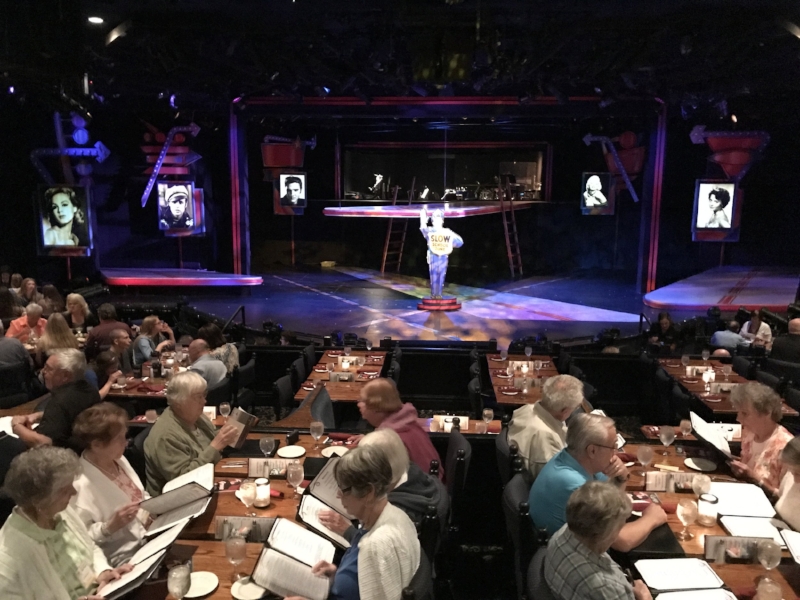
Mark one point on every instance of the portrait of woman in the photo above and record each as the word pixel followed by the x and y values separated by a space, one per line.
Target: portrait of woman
pixel 175 206
pixel 593 196
pixel 64 221
pixel 714 205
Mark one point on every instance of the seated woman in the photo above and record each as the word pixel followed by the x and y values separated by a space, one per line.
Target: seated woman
pixel 28 292
pixel 78 315
pixel 16 283
pixel 183 438
pixel 46 552
pixel 384 553
pixel 758 409
pixel 410 490
pixel 757 331
pixel 788 505
pixel 9 307
pixel 105 371
pixel 109 490
pixel 664 332
pixel 381 407
pixel 56 336
pixel 220 349
pixel 145 344
pixel 51 301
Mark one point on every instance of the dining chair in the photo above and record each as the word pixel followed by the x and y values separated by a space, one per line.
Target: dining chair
pixel 537 587
pixel 284 395
pixel 297 372
pixel 519 527
pixel 421 585
pixel 310 356
pixel 218 393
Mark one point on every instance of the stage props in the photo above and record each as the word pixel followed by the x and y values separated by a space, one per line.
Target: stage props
pixel 65 223
pixel 597 197
pixel 717 211
pixel 180 208
pixel 441 242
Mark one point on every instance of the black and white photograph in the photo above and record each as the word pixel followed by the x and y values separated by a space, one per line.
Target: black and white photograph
pixel 293 189
pixel 597 194
pixel 64 217
pixel 714 204
pixel 175 205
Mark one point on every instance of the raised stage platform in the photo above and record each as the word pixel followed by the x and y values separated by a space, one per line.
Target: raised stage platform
pixel 729 288
pixel 452 210
pixel 176 278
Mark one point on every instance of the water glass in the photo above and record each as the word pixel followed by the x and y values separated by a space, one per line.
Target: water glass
pixel 247 494
pixel 503 354
pixel 266 445
pixel 769 554
pixel 645 456
pixel 225 409
pixel 528 351
pixel 705 354
pixel 488 415
pixel 686 427
pixel 701 484
pixel 369 345
pixel 122 381
pixel 294 476
pixel 317 428
pixel 687 514
pixel 685 360
pixel 481 427
pixel 330 367
pixel 179 580
pixel 235 552
pixel 347 350
pixel 727 370
pixel 667 435
pixel 537 366
pixel 150 415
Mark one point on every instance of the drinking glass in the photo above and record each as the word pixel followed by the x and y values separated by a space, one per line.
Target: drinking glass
pixel 151 415
pixel 504 354
pixel 330 367
pixel 687 514
pixel 705 354
pixel 225 409
pixel 524 369
pixel 317 428
pixel 347 350
pixel 769 555
pixel 179 580
pixel 235 552
pixel 369 345
pixel 686 427
pixel 645 456
pixel 685 360
pixel 537 366
pixel 247 494
pixel 768 589
pixel 266 445
pixel 122 381
pixel 528 351
pixel 667 435
pixel 294 476
pixel 727 370
pixel 488 415
pixel 701 484
pixel 510 371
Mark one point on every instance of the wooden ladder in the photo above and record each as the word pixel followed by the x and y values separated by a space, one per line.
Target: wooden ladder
pixel 395 240
pixel 510 230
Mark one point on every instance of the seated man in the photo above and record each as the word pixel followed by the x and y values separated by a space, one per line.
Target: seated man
pixel 31 322
pixel 121 347
pixel 787 347
pixel 589 455
pixel 209 367
pixel 99 337
pixel 539 429
pixel 13 353
pixel 70 395
pixel 577 564
pixel 729 338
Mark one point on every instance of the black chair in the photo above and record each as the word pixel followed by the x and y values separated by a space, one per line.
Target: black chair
pixel 475 400
pixel 310 357
pixel 563 362
pixel 10 447
pixel 297 372
pixel 537 586
pixel 575 371
pixel 284 395
pixel 475 370
pixel 456 467
pixel 768 379
pixel 15 385
pixel 781 368
pixel 394 372
pixel 421 585
pixel 680 403
pixel 792 397
pixel 245 378
pixel 135 452
pixel 430 530
pixel 397 353
pixel 219 392
pixel 519 527
pixel 321 409
pixel 744 367
pixel 663 398
pixel 509 462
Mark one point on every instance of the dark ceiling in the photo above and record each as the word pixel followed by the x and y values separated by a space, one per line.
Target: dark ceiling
pixel 696 54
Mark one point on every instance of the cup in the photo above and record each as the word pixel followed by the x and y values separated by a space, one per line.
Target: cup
pixel 481 427
pixel 434 426
pixel 121 381
pixel 151 415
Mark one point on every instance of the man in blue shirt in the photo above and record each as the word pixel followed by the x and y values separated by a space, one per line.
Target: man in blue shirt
pixel 729 338
pixel 590 455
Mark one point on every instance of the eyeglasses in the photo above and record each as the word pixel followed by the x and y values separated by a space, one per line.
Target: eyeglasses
pixel 602 446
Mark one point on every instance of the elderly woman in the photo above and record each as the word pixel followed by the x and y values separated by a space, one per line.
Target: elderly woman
pixel 788 505
pixel 410 490
pixel 78 315
pixel 220 349
pixel 384 553
pixel 758 409
pixel 45 551
pixel 756 330
pixel 145 344
pixel 577 564
pixel 109 490
pixel 183 438
pixel 381 407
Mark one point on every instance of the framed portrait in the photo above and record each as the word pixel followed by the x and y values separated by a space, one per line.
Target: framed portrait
pixel 717 210
pixel 65 223
pixel 597 193
pixel 180 208
pixel 292 189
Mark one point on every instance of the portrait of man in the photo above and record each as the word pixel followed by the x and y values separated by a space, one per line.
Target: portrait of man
pixel 293 190
pixel 714 205
pixel 176 206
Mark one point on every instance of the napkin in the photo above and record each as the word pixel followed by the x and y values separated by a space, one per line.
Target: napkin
pixel 151 387
pixel 341 437
pixel 494 427
pixel 626 457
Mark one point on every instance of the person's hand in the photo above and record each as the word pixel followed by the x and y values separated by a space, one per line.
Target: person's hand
pixel 115 375
pixel 656 514
pixel 107 576
pixel 323 569
pixel 741 470
pixel 334 521
pixel 653 340
pixel 18 420
pixel 122 517
pixel 354 440
pixel 641 591
pixel 616 469
pixel 225 436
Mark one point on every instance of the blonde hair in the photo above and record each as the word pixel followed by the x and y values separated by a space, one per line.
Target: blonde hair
pixel 381 395
pixel 148 326
pixel 78 299
pixel 57 335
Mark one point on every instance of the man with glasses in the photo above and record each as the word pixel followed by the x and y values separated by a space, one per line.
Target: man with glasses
pixel 590 455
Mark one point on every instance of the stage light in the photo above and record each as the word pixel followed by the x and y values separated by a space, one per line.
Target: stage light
pixel 11 89
pixel 734 119
pixel 96 20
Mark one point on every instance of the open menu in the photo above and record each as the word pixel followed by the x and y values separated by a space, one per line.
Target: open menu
pixel 244 422
pixel 741 499
pixel 674 574
pixel 159 543
pixel 792 540
pixel 133 578
pixel 322 495
pixel 717 594
pixel 185 497
pixel 711 434
pixel 757 527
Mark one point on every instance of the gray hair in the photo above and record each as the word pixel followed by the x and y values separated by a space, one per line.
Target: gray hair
pixel 71 360
pixel 184 385
pixel 35 476
pixel 362 470
pixel 387 440
pixel 585 429
pixel 791 452
pixel 596 510
pixel 763 399
pixel 560 392
pixel 34 309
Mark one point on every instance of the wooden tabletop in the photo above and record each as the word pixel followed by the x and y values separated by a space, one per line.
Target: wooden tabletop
pixel 22 409
pixel 743 578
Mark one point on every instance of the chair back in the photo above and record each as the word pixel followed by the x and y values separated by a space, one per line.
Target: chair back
pixel 310 357
pixel 247 374
pixel 421 585
pixel 663 398
pixel 219 392
pixel 14 385
pixel 284 394
pixel 768 379
pixel 518 526
pixel 397 353
pixel 322 409
pixel 576 371
pixel 502 452
pixel 297 372
pixel 430 530
pixel 743 367
pixel 456 463
pixel 792 397
pixel 135 452
pixel 782 368
pixel 680 403
pixel 475 370
pixel 537 585
pixel 394 372
pixel 563 362
pixel 475 399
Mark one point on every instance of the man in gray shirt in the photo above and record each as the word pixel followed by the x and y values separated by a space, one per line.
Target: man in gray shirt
pixel 208 367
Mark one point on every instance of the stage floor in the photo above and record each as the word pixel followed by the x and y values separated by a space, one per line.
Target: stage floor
pixel 729 288
pixel 176 278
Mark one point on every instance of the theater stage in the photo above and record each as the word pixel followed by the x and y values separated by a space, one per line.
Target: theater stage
pixel 729 288
pixel 176 278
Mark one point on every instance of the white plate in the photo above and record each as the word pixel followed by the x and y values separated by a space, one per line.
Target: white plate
pixel 203 583
pixel 308 388
pixel 368 373
pixel 182 369
pixel 509 393
pixel 498 359
pixel 291 451
pixel 711 399
pixel 244 589
pixel 700 464
pixel 337 450
pixel 504 376
pixel 116 386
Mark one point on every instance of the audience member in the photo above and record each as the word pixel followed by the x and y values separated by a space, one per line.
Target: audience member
pixel 589 455
pixel 721 352
pixel 121 346
pixel 70 395
pixel 146 342
pixel 787 347
pixel 9 307
pixel 788 505
pixel 99 337
pixel 610 350
pixel 210 368
pixel 13 353
pixel 539 429
pixel 31 323
pixel 757 331
pixel 78 316
pixel 109 490
pixel 729 338
pixel 51 301
pixel 224 351
pixel 45 551
pixel 663 332
pixel 106 371
pixel 759 410
pixel 57 336
pixel 16 283
pixel 28 293
pixel 577 564
pixel 183 438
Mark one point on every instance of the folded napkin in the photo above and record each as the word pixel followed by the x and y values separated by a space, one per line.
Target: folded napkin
pixel 341 437
pixel 494 427
pixel 151 387
pixel 496 372
pixel 626 457
pixel 139 419
pixel 369 371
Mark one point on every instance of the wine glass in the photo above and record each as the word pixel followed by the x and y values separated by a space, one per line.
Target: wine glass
pixel 488 415
pixel 769 555
pixel 524 369
pixel 266 445
pixel 235 552
pixel 727 370
pixel 317 428
pixel 503 354
pixel 687 514
pixel 225 409
pixel 645 456
pixel 701 484
pixel 294 476
pixel 330 367
pixel 667 435
pixel 179 580
pixel 369 345
pixel 705 354
pixel 686 427
pixel 347 350
pixel 247 494
pixel 685 360
pixel 537 366
pixel 528 351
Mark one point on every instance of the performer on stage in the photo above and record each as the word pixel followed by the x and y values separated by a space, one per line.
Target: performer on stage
pixel 441 242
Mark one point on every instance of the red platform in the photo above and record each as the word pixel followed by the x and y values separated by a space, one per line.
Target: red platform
pixel 176 278
pixel 439 304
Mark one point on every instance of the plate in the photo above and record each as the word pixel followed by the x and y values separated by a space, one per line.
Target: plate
pixel 672 365
pixel 244 589
pixel 509 393
pixel 700 464
pixel 308 388
pixel 335 353
pixel 368 373
pixel 711 398
pixel 689 380
pixel 503 376
pixel 291 451
pixel 203 583
pixel 376 357
pixel 337 450
pixel 116 386
pixel 498 359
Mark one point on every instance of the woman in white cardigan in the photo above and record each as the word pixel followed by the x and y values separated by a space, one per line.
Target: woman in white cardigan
pixel 45 551
pixel 109 490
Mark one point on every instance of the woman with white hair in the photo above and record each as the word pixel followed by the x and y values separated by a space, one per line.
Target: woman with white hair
pixel 385 553
pixel 759 410
pixel 183 438
pixel 46 552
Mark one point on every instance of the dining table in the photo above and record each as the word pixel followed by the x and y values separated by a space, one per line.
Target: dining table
pixel 365 365
pixel 514 378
